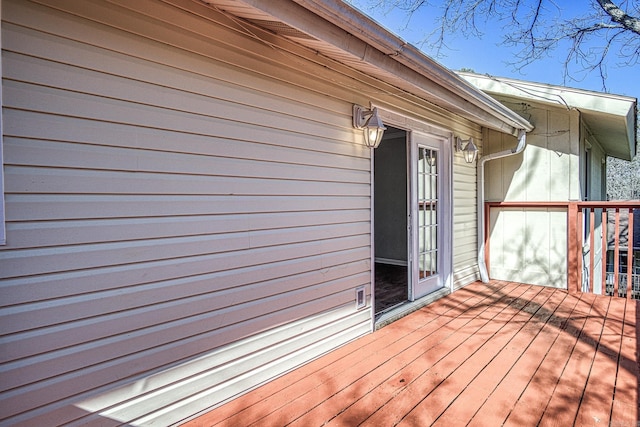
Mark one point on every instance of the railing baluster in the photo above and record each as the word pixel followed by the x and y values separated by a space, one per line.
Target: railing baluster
pixel 578 247
pixel 630 254
pixel 573 279
pixel 592 245
pixel 605 248
pixel 616 252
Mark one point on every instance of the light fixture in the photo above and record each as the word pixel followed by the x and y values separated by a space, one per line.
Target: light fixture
pixel 470 151
pixel 371 123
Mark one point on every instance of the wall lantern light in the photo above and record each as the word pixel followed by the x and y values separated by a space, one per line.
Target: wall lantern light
pixel 371 123
pixel 470 151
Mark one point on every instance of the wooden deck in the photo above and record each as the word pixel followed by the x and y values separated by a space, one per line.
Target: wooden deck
pixel 487 355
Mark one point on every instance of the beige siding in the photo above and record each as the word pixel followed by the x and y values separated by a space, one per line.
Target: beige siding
pixel 3 236
pixel 188 209
pixel 550 159
pixel 180 228
pixel 465 214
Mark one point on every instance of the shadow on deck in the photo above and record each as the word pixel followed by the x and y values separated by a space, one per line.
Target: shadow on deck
pixel 486 355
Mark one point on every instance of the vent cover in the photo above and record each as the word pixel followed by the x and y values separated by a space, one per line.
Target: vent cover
pixel 361 298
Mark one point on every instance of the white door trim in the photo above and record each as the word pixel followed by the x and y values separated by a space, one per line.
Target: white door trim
pixel 446 135
pixel 421 286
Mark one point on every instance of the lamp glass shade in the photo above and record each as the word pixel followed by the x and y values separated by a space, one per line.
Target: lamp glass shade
pixel 373 130
pixel 470 152
pixel 373 136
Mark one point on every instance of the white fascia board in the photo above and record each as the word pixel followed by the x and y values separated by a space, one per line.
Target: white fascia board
pixel 564 96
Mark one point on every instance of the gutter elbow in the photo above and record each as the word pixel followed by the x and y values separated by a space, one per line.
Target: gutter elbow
pixel 522 141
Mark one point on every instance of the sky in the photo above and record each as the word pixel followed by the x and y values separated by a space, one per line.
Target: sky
pixel 488 56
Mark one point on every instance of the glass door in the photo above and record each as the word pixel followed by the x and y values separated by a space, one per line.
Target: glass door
pixel 426 230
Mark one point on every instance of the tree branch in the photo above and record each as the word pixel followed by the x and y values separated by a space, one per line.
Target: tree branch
pixel 602 35
pixel 619 16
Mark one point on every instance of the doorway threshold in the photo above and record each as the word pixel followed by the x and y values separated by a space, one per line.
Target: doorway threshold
pixel 391 315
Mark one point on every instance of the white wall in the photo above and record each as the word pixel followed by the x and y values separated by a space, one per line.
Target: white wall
pixel 529 245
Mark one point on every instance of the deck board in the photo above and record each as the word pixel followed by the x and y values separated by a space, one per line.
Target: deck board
pixel 535 340
pixel 489 354
pixel 597 400
pixel 566 396
pixel 525 405
pixel 471 358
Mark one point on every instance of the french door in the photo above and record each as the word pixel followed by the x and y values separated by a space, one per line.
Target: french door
pixel 428 225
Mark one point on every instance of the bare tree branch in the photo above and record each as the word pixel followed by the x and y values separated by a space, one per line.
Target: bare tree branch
pixel 620 17
pixel 604 34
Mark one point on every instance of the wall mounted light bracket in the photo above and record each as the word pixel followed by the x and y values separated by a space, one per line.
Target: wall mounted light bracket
pixel 369 121
pixel 470 151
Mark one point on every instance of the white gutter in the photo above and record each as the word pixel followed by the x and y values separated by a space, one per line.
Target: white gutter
pixel 522 142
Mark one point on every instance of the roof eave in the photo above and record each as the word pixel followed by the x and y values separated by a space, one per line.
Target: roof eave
pixel 599 110
pixel 360 37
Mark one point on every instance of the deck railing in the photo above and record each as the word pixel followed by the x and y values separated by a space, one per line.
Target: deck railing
pixel 613 268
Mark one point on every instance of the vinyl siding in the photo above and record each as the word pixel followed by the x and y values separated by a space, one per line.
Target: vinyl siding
pixel 187 207
pixel 179 228
pixel 3 234
pixel 465 218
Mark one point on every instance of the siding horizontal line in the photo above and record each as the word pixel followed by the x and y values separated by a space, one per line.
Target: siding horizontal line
pixel 143 321
pixel 32 207
pixel 46 100
pixel 62 335
pixel 75 156
pixel 86 281
pixel 266 119
pixel 230 102
pixel 254 239
pixel 139 346
pixel 30 262
pixel 43 234
pixel 43 180
pixel 86 133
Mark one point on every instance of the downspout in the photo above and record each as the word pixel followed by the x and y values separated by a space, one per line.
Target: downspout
pixel 522 142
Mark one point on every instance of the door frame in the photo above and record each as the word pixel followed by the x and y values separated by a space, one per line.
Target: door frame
pixel 411 125
pixel 416 140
